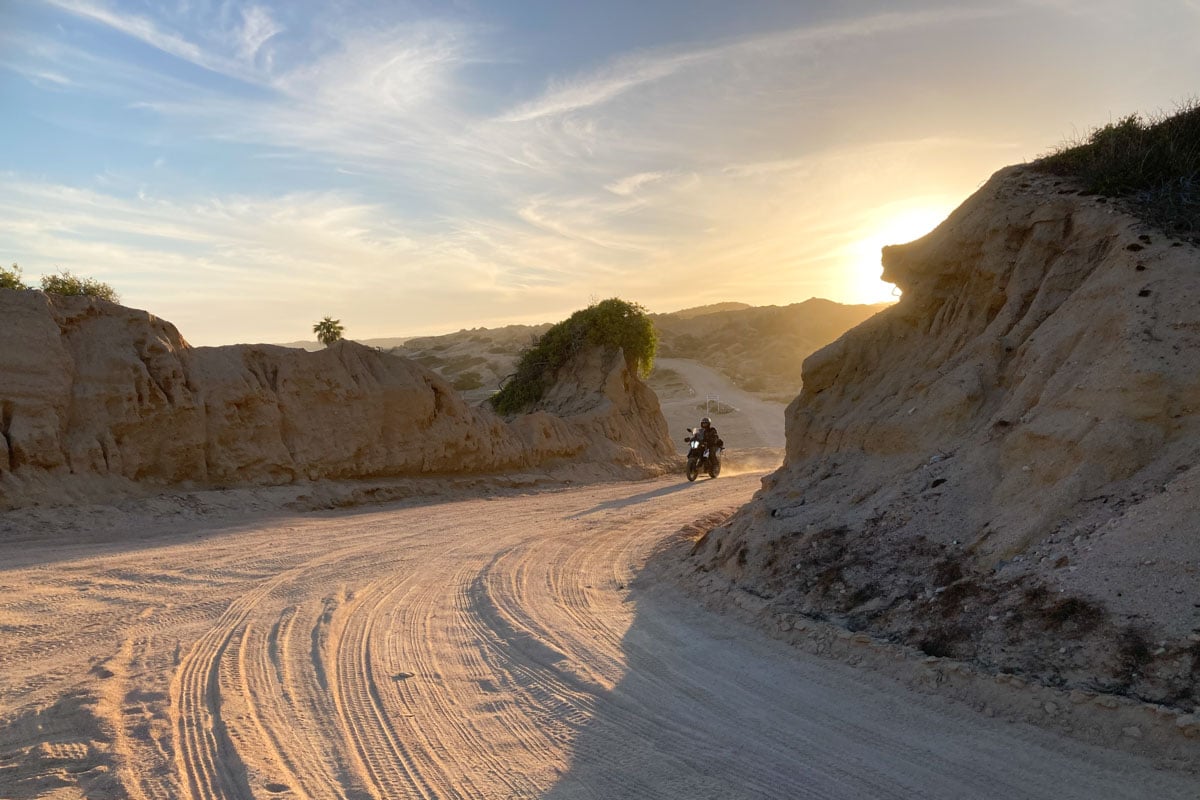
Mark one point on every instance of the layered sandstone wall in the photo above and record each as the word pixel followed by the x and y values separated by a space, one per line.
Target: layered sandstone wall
pixel 1002 467
pixel 95 395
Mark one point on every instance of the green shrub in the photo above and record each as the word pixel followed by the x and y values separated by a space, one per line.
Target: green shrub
pixel 11 278
pixel 468 381
pixel 1152 163
pixel 609 323
pixel 76 286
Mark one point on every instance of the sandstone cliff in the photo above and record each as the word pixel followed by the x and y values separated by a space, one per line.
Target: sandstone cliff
pixel 1003 467
pixel 96 397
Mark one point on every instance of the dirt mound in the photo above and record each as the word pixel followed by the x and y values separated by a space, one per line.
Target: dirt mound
pixel 98 398
pixel 1001 468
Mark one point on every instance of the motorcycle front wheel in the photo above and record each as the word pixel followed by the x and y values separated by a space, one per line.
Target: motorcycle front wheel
pixel 692 471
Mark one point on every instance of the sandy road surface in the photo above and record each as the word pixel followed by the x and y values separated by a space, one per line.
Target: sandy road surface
pixel 486 647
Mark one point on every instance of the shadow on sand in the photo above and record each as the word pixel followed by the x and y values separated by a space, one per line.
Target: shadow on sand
pixel 711 708
pixel 633 500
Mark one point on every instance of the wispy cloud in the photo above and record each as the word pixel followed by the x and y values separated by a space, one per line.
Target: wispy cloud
pixel 380 73
pixel 151 33
pixel 632 72
pixel 43 78
pixel 631 183
pixel 595 89
pixel 332 227
pixel 379 101
pixel 257 28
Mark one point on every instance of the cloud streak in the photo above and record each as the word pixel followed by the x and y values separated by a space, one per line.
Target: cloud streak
pixel 258 27
pixel 150 33
pixel 633 72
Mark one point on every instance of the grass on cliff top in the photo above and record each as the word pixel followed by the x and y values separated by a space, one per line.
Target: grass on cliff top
pixel 613 322
pixel 1152 163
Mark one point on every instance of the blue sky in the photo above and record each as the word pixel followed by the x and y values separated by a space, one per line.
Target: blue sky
pixel 243 169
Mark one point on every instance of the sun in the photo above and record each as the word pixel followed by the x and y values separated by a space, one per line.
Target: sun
pixel 862 283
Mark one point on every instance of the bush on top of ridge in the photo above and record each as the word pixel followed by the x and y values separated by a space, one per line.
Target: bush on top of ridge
pixel 613 323
pixel 1153 163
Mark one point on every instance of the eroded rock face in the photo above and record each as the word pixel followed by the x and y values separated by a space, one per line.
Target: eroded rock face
pixel 985 469
pixel 618 415
pixel 96 397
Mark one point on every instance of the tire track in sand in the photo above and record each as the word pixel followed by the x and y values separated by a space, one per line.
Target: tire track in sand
pixel 471 729
pixel 205 756
pixel 380 753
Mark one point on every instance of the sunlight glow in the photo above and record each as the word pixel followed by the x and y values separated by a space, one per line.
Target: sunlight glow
pixel 862 258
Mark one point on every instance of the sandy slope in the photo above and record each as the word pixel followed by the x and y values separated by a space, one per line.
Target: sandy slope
pixel 490 646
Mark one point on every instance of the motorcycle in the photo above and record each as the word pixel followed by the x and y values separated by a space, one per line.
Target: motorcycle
pixel 700 457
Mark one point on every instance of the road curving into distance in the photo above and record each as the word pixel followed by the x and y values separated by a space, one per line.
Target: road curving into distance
pixel 493 646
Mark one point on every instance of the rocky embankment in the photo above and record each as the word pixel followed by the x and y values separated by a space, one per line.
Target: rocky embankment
pixel 96 398
pixel 1003 468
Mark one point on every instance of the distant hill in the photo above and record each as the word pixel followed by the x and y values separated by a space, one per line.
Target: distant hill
pixel 714 308
pixel 760 348
pixel 475 361
pixel 386 343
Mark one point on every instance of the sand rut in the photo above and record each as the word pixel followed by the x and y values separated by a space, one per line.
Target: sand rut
pixel 206 758
pixel 381 754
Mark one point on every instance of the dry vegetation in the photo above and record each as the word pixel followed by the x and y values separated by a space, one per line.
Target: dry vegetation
pixel 1152 164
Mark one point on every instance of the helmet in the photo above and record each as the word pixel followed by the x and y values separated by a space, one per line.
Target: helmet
pixel 704 423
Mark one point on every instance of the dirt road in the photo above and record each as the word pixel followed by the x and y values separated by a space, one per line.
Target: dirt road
pixel 484 647
pixel 754 422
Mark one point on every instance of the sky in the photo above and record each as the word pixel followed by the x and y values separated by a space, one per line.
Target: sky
pixel 244 169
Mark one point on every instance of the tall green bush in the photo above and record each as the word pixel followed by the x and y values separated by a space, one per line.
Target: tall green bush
pixel 609 323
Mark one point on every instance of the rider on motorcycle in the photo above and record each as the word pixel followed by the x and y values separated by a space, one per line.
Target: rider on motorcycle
pixel 704 453
pixel 707 435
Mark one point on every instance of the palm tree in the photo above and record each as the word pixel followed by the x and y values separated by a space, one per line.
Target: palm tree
pixel 328 331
